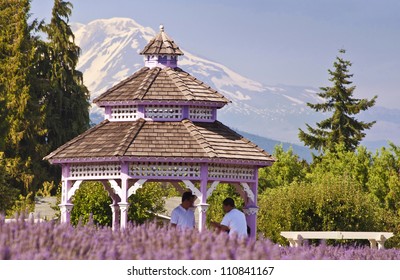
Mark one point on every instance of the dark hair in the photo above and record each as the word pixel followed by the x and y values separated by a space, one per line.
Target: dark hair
pixel 187 196
pixel 229 202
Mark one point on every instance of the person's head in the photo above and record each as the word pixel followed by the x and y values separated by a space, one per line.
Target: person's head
pixel 187 200
pixel 228 204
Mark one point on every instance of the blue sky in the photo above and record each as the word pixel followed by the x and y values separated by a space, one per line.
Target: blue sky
pixel 290 42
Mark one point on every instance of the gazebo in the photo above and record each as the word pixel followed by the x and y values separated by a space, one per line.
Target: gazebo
pixel 160 125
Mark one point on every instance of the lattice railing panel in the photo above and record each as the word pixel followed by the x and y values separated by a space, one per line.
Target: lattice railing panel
pixel 200 113
pixel 226 172
pixel 95 170
pixel 124 113
pixel 164 169
pixel 163 112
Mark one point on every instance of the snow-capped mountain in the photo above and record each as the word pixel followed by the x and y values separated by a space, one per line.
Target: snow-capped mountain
pixel 110 53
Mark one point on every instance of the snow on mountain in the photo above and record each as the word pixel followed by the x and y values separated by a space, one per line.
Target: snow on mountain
pixel 110 53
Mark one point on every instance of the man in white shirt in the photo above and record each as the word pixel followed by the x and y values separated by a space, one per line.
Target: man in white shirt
pixel 234 220
pixel 183 216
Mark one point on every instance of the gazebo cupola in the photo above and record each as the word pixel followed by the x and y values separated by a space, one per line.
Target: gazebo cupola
pixel 161 91
pixel 161 125
pixel 161 51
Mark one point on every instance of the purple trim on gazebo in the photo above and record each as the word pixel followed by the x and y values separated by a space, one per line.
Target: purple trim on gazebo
pixel 107 112
pixel 214 114
pixel 161 113
pixel 185 112
pixel 161 102
pixel 161 179
pixel 141 109
pixel 148 159
pixel 161 61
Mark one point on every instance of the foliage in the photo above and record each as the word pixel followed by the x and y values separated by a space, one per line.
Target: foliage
pixel 148 200
pixel 330 204
pixel 91 200
pixel 8 195
pixel 215 211
pixel 67 99
pixel 374 179
pixel 55 207
pixel 44 241
pixel 20 113
pixel 46 189
pixel 23 205
pixel 342 163
pixel 43 102
pixel 384 179
pixel 287 169
pixel 341 126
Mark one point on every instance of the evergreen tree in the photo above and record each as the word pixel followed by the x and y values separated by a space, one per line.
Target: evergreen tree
pixel 43 102
pixel 67 100
pixel 8 195
pixel 341 127
pixel 20 113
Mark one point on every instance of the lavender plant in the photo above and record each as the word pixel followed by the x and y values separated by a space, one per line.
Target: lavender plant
pixel 23 240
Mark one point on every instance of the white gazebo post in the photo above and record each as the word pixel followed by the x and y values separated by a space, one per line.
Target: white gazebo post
pixel 113 191
pixel 124 205
pixel 65 205
pixel 115 215
pixel 251 208
pixel 203 206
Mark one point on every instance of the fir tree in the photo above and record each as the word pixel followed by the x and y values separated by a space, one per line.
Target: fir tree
pixel 341 127
pixel 20 113
pixel 67 100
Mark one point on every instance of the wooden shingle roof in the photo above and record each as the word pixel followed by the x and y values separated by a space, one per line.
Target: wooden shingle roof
pixel 161 45
pixel 148 139
pixel 156 84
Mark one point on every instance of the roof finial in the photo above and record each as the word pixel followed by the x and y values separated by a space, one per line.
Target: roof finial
pixel 161 28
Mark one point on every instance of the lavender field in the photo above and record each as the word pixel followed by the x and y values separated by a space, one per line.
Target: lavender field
pixel 51 241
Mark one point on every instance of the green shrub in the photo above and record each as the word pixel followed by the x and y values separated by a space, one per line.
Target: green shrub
pixel 331 204
pixel 91 200
pixel 148 200
pixel 287 169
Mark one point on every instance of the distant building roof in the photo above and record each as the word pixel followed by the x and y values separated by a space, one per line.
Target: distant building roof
pixel 165 84
pixel 161 45
pixel 148 139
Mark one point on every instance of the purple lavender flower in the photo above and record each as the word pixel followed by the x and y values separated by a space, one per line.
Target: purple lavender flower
pixel 47 240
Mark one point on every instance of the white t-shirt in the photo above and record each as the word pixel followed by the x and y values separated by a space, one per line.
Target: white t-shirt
pixel 183 218
pixel 236 222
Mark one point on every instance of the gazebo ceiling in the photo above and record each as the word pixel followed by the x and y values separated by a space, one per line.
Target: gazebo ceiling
pixel 150 139
pixel 156 84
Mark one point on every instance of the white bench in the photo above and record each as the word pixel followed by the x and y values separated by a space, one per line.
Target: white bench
pixel 30 218
pixel 296 238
